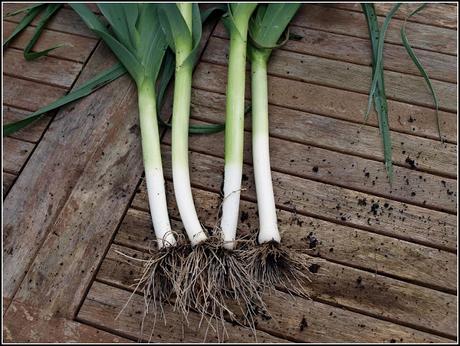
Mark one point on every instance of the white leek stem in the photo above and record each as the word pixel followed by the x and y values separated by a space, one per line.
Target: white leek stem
pixel 152 164
pixel 268 223
pixel 234 133
pixel 180 124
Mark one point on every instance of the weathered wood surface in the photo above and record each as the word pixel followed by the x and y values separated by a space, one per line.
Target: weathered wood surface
pixel 16 154
pixel 105 302
pixel 357 51
pixel 29 95
pixel 352 23
pixel 46 70
pixel 286 322
pixel 388 270
pixel 341 169
pixel 368 251
pixel 8 180
pixel 24 324
pixel 337 103
pixel 332 203
pixel 33 132
pixel 76 140
pixel 344 75
pixel 436 14
pixel 77 48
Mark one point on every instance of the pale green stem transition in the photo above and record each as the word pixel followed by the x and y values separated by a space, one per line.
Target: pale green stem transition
pixel 152 163
pixel 180 125
pixel 234 129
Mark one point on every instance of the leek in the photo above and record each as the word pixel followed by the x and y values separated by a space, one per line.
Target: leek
pixel 139 44
pixel 269 262
pixel 182 25
pixel 237 22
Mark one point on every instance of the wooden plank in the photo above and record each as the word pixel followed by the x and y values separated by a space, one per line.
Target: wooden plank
pixel 354 24
pixel 24 324
pixel 336 103
pixel 345 76
pixel 344 170
pixel 104 302
pixel 76 139
pixel 29 95
pixel 332 203
pixel 116 271
pixel 358 51
pixel 15 154
pixel 109 178
pixel 8 180
pixel 33 132
pixel 65 20
pixel 47 70
pixel 350 246
pixel 437 14
pixel 78 48
pixel 364 141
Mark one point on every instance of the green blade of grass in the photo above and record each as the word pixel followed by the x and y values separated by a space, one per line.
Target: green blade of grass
pixel 87 88
pixel 32 12
pixel 50 10
pixel 379 95
pixel 28 8
pixel 379 54
pixel 417 63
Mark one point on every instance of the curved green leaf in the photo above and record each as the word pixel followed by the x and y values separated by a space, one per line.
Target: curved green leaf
pixel 50 10
pixel 85 89
pixel 32 12
pixel 419 65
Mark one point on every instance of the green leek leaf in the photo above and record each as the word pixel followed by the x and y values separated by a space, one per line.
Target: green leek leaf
pixel 417 63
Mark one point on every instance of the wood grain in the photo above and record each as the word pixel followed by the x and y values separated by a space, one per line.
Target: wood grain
pixel 358 51
pixel 340 169
pixel 351 23
pixel 8 180
pixel 24 324
pixel 29 95
pixel 76 140
pixel 46 70
pixel 104 302
pixel 437 14
pixel 122 272
pixel 33 132
pixel 336 103
pixel 16 152
pixel 350 246
pixel 65 20
pixel 332 203
pixel 344 75
pixel 429 155
pixel 77 48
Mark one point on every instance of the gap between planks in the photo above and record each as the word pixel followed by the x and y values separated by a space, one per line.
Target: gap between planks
pixel 385 222
pixel 348 76
pixel 438 158
pixel 118 271
pixel 336 243
pixel 338 21
pixel 405 180
pixel 356 51
pixel 424 17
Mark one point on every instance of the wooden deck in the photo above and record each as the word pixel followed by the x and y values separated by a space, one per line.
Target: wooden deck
pixel 74 192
